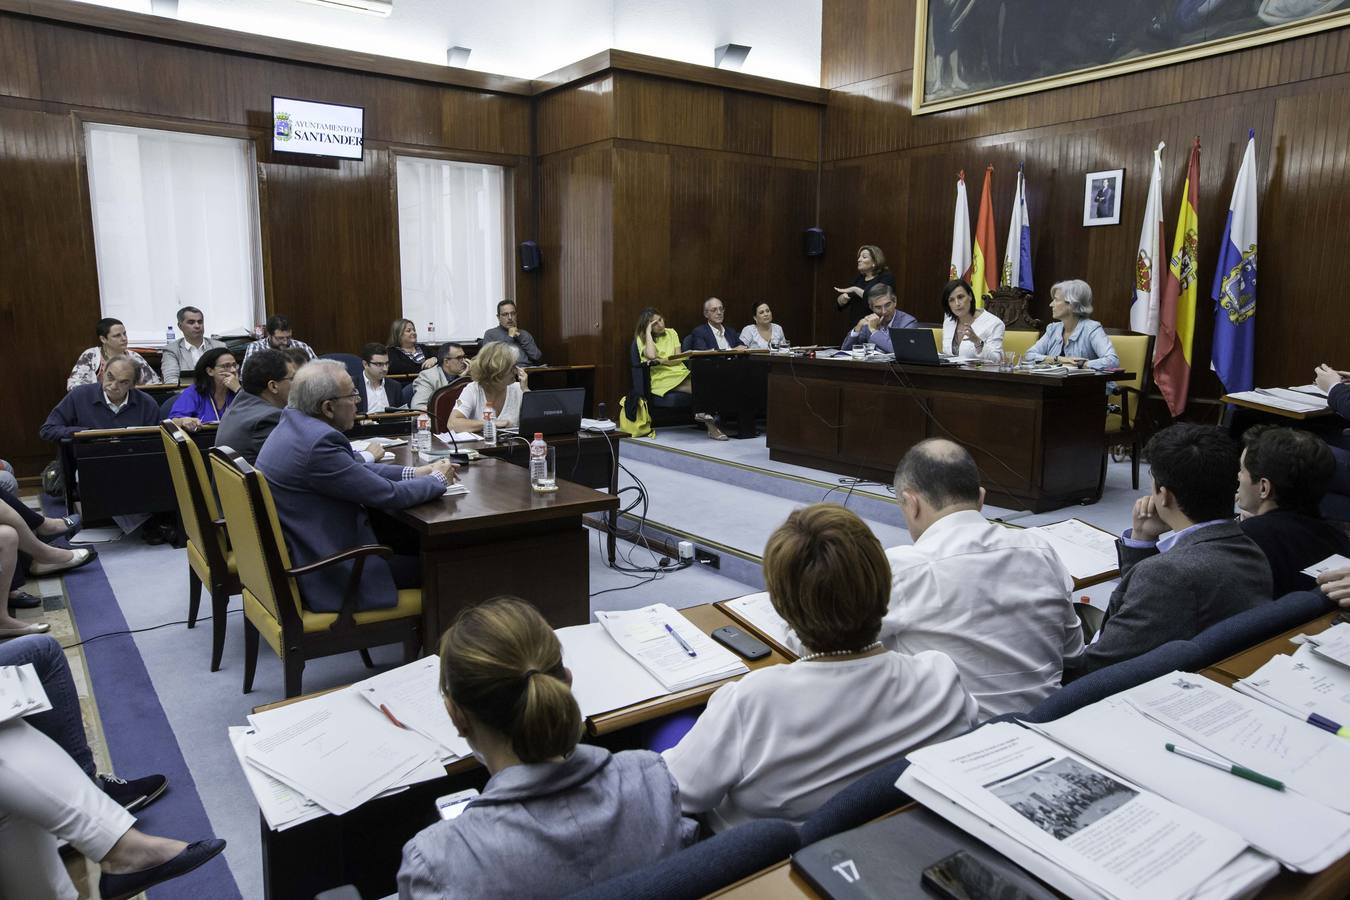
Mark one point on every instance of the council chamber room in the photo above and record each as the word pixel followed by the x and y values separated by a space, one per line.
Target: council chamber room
pixel 630 449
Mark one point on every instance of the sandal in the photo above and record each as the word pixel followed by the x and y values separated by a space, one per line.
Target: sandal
pixel 73 525
pixel 35 628
pixel 82 557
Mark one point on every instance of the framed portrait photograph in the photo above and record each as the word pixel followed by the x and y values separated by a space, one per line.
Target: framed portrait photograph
pixel 1101 197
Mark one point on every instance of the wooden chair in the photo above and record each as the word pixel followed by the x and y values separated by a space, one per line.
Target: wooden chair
pixel 272 606
pixel 1132 425
pixel 210 560
pixel 1011 305
pixel 442 403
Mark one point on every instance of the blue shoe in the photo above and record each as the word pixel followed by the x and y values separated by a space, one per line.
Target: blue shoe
pixel 123 887
pixel 73 525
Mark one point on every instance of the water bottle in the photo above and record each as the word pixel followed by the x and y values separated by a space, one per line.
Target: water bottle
pixel 489 425
pixel 422 436
pixel 539 479
pixel 169 336
pixel 431 333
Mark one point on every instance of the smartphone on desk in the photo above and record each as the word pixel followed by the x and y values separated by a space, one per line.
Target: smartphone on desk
pixel 963 877
pixel 451 805
pixel 746 645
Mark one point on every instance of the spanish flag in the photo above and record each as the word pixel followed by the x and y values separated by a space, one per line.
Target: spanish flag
pixel 984 261
pixel 1176 307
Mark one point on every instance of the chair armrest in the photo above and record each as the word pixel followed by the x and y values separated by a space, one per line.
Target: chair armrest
pixel 350 553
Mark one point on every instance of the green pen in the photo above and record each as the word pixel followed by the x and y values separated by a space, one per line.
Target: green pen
pixel 1239 771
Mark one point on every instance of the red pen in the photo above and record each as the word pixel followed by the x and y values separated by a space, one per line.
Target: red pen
pixel 392 718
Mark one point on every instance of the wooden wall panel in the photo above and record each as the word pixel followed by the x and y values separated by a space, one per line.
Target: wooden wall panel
pixel 575 116
pixel 889 177
pixel 861 39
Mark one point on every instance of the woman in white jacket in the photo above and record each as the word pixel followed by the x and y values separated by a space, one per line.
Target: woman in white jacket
pixel 968 332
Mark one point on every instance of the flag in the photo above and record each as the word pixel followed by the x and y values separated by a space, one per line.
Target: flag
pixel 1147 277
pixel 983 275
pixel 1017 252
pixel 1234 290
pixel 960 266
pixel 1176 307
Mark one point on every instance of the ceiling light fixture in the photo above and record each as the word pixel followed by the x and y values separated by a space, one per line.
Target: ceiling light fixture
pixel 369 7
pixel 457 56
pixel 730 56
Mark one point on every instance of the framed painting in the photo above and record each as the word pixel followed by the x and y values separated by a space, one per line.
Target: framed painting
pixel 1101 197
pixel 975 51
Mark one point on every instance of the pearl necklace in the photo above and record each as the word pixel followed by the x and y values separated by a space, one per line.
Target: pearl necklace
pixel 824 653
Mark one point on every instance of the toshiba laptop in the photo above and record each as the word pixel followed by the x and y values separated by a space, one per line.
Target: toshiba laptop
pixel 915 347
pixel 553 412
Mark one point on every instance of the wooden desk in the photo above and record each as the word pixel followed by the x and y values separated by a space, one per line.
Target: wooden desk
pixel 1036 438
pixel 727 384
pixel 364 847
pixel 502 538
pixel 1241 665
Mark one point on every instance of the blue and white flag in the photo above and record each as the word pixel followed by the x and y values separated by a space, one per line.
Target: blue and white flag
pixel 1234 290
pixel 1017 251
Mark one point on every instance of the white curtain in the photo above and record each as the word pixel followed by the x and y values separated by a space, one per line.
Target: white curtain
pixel 452 234
pixel 175 224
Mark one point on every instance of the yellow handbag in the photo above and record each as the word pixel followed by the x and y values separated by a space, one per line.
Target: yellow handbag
pixel 639 425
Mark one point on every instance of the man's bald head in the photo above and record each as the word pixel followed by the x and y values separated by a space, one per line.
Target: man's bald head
pixel 940 471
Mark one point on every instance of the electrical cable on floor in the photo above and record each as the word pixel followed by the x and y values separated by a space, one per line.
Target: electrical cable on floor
pixel 107 634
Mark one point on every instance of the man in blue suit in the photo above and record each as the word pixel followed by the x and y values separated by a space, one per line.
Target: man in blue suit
pixel 712 334
pixel 876 328
pixel 322 488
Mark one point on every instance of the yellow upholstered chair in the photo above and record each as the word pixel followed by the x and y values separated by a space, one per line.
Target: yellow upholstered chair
pixel 937 339
pixel 210 560
pixel 1019 341
pixel 1131 425
pixel 272 607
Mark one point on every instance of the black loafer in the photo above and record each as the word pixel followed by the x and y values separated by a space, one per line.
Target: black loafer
pixel 73 525
pixel 122 887
pixel 24 600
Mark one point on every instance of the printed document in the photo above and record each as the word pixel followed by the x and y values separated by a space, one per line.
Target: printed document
pixel 604 677
pixel 1333 644
pixel 1281 399
pixel 1301 685
pixel 1248 733
pixel 21 692
pixel 1330 564
pixel 757 611
pixel 646 635
pixel 412 695
pixel 1086 552
pixel 282 806
pixel 1110 834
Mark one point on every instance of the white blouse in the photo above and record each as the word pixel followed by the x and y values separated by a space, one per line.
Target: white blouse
pixel 751 337
pixel 988 328
pixel 472 400
pixel 783 740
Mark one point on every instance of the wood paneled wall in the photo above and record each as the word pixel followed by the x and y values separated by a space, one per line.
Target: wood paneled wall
pixel 329 230
pixel 889 177
pixel 658 192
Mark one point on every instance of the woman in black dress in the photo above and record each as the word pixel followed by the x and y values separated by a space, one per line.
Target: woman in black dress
pixel 871 268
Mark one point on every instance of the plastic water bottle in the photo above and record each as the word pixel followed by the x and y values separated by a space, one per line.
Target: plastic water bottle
pixel 169 336
pixel 539 479
pixel 489 425
pixel 422 437
pixel 431 333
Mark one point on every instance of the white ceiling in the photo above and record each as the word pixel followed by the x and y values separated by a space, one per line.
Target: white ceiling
pixel 528 38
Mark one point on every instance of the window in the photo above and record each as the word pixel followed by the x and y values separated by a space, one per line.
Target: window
pixel 452 235
pixel 175 224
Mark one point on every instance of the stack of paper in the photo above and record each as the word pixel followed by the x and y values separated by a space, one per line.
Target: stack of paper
pixel 1079 827
pixel 411 696
pixel 756 610
pixel 358 446
pixel 1330 564
pixel 1333 644
pixel 1279 398
pixel 597 424
pixel 21 692
pixel 462 437
pixel 1086 552
pixel 604 677
pixel 669 647
pixel 1301 685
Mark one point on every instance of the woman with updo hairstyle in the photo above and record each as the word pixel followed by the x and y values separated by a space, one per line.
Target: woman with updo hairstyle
pixel 872 268
pixel 784 739
pixel 967 331
pixel 498 382
pixel 556 816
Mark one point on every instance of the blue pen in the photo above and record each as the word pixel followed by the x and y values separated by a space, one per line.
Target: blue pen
pixel 687 649
pixel 1326 724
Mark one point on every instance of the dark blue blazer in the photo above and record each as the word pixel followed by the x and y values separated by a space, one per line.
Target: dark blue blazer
pixel 701 338
pixel 321 489
pixel 393 392
pixel 83 408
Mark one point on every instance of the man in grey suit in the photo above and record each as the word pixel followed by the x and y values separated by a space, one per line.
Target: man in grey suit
pixel 265 386
pixel 1185 564
pixel 507 332
pixel 322 488
pixel 181 356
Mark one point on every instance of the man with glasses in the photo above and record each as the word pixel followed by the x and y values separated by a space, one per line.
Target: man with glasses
pixel 264 387
pixel 713 333
pixel 181 355
pixel 453 364
pixel 508 333
pixel 278 337
pixel 377 392
pixel 322 488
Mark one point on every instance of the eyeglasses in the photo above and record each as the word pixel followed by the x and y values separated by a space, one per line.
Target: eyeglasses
pixel 375 365
pixel 354 396
pixel 228 366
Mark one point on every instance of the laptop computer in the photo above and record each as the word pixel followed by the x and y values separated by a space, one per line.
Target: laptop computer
pixel 552 412
pixel 915 347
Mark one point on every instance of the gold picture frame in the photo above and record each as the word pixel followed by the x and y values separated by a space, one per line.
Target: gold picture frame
pixel 1336 17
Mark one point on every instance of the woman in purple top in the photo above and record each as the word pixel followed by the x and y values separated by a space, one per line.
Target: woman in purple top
pixel 215 381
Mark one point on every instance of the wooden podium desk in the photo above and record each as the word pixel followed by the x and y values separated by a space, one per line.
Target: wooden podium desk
pixel 502 538
pixel 364 846
pixel 1036 438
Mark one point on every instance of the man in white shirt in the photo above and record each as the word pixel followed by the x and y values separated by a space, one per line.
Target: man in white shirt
pixel 712 334
pixel 377 392
pixel 997 600
pixel 181 356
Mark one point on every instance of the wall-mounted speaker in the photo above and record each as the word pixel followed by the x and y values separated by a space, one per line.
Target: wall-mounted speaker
pixel 813 241
pixel 529 256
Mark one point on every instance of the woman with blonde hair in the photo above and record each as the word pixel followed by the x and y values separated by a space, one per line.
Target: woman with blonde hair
pixel 872 269
pixel 405 357
pixel 497 382
pixel 784 739
pixel 556 816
